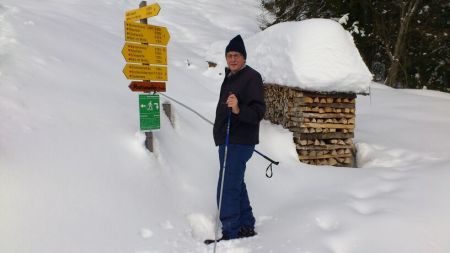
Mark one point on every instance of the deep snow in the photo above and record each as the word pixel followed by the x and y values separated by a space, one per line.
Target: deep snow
pixel 75 176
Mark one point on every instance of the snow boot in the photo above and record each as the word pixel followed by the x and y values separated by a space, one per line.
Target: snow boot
pixel 243 233
pixel 223 238
pixel 246 232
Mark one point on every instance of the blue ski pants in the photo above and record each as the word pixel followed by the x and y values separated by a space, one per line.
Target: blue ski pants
pixel 236 211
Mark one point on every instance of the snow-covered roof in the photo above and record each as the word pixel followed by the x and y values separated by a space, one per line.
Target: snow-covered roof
pixel 315 54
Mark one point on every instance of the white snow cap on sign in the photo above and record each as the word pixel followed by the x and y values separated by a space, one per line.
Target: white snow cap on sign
pixel 314 54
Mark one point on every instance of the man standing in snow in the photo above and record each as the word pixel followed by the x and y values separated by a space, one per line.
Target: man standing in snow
pixel 241 92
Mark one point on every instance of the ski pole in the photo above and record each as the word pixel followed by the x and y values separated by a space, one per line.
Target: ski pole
pixel 227 140
pixel 210 122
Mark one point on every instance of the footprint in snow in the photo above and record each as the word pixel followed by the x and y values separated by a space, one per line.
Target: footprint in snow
pixel 364 208
pixel 369 191
pixel 202 226
pixel 167 225
pixel 393 176
pixel 146 233
pixel 365 192
pixel 327 222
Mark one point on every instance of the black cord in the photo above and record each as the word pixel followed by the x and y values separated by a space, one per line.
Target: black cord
pixel 269 171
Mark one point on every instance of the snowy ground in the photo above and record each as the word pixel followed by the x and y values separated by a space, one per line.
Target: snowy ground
pixel 75 176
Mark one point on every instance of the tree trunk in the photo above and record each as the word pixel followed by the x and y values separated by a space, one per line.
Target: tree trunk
pixel 409 8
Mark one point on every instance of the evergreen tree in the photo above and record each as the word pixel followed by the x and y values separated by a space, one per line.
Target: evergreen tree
pixel 405 42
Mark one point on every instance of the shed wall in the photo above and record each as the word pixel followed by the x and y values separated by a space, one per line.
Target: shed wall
pixel 322 123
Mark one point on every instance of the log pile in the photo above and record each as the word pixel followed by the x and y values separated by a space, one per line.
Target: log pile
pixel 323 124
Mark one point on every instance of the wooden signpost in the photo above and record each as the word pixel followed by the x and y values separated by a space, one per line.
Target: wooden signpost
pixel 147 86
pixel 144 12
pixel 143 33
pixel 140 53
pixel 145 52
pixel 145 72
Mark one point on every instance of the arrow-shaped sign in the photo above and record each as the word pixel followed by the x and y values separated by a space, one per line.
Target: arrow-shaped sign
pixel 148 86
pixel 144 12
pixel 150 34
pixel 140 53
pixel 145 72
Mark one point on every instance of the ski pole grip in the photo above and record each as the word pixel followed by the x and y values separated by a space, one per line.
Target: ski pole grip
pixel 267 158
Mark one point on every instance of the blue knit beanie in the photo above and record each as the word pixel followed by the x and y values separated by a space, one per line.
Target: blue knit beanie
pixel 236 45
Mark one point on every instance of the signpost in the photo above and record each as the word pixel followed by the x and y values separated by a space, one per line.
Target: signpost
pixel 145 72
pixel 144 48
pixel 149 112
pixel 147 86
pixel 140 53
pixel 144 12
pixel 143 33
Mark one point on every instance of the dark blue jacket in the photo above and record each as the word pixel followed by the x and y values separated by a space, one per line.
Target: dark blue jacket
pixel 247 85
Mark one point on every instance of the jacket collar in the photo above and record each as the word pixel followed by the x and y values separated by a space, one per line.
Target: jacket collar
pixel 229 74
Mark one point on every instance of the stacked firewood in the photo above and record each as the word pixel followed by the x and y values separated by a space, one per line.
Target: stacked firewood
pixel 322 124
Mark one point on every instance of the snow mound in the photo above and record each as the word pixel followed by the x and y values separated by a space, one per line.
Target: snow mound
pixel 314 54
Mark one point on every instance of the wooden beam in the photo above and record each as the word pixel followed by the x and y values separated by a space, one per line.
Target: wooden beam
pixel 323 136
pixel 324 156
pixel 336 126
pixel 332 105
pixel 332 95
pixel 327 147
pixel 327 115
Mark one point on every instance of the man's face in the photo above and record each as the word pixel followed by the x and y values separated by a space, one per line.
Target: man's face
pixel 235 61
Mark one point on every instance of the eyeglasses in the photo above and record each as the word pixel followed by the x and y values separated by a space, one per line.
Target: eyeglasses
pixel 233 55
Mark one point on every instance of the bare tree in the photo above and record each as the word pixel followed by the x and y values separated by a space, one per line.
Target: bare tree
pixel 408 9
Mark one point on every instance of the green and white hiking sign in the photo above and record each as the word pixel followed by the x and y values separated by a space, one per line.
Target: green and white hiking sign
pixel 149 112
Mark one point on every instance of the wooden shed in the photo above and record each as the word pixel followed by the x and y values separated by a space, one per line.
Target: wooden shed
pixel 322 123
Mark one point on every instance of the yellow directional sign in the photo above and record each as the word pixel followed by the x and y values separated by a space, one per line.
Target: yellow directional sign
pixel 140 53
pixel 145 72
pixel 144 12
pixel 142 33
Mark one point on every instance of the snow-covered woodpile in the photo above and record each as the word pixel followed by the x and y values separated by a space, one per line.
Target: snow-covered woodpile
pixel 322 123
